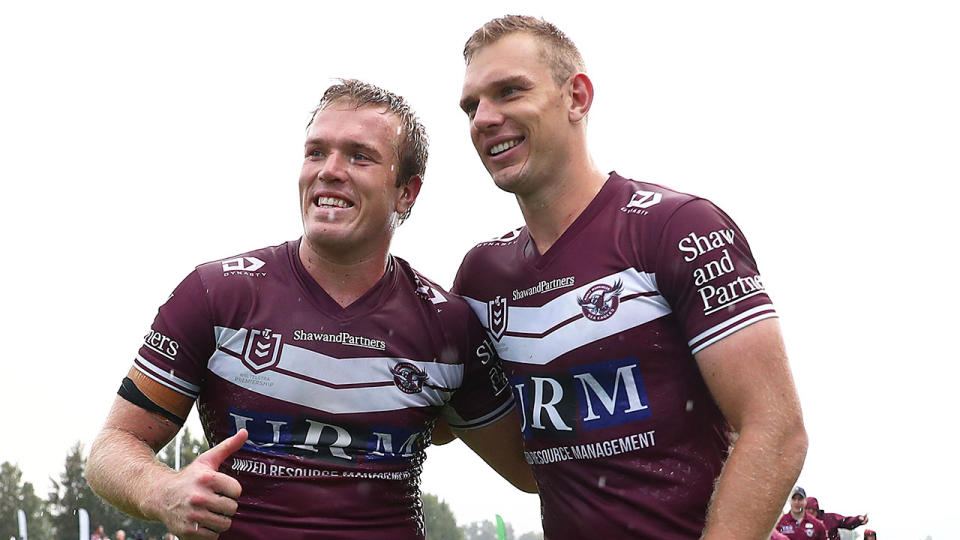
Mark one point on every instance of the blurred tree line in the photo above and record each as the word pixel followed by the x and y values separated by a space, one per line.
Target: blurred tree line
pixel 55 517
pixel 442 525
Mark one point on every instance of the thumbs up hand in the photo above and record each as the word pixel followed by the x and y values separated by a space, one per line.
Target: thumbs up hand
pixel 196 503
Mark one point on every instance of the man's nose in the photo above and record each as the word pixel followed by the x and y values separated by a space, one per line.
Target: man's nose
pixel 334 168
pixel 486 116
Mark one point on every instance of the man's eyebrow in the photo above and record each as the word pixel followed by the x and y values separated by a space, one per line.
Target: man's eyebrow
pixel 510 80
pixel 364 148
pixel 352 145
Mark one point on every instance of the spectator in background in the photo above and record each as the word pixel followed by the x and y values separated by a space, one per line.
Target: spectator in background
pixel 797 524
pixel 834 522
pixel 120 535
pixel 869 535
pixel 98 534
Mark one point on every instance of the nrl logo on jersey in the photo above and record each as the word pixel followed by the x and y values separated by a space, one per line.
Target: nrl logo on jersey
pixel 243 266
pixel 497 316
pixel 640 201
pixel 261 349
pixel 408 377
pixel 601 301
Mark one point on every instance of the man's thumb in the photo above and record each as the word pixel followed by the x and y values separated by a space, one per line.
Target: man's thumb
pixel 215 456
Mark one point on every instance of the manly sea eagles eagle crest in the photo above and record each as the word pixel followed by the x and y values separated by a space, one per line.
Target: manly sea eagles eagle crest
pixel 601 301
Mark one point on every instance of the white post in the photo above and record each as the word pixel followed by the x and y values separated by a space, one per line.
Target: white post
pixel 84 518
pixel 176 451
pixel 22 523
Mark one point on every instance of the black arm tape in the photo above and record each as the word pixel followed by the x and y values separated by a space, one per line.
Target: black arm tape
pixel 131 393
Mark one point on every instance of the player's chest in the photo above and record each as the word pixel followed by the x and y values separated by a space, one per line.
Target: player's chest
pixel 338 367
pixel 539 316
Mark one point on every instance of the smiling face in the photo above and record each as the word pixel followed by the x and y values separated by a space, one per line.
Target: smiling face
pixel 349 199
pixel 519 120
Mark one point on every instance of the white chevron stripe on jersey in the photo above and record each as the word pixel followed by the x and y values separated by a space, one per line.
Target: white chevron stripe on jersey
pixel 305 377
pixel 748 317
pixel 538 320
pixel 544 344
pixel 166 378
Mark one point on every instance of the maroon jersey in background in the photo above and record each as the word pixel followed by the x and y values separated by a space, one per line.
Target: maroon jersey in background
pixel 598 336
pixel 835 522
pixel 339 402
pixel 806 529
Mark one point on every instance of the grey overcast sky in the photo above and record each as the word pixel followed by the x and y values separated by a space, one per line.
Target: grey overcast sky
pixel 139 140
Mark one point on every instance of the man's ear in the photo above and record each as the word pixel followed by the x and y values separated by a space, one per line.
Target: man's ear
pixel 581 92
pixel 408 194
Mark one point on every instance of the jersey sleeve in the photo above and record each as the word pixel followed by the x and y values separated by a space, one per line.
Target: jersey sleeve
pixel 484 395
pixel 180 341
pixel 845 522
pixel 707 273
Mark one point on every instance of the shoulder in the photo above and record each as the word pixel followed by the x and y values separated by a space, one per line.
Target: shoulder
pixel 456 324
pixel 495 247
pixel 248 266
pixel 451 308
pixel 654 205
pixel 488 260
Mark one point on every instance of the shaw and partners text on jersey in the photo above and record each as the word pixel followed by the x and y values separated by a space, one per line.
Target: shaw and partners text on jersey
pixel 717 297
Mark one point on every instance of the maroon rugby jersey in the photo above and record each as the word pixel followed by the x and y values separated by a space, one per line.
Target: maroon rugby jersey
pixel 339 402
pixel 807 528
pixel 598 336
pixel 835 522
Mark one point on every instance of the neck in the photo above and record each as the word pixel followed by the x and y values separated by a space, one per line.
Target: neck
pixel 345 279
pixel 550 210
pixel 797 516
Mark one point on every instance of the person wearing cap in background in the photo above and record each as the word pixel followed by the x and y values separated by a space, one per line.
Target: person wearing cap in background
pixel 834 522
pixel 869 535
pixel 797 524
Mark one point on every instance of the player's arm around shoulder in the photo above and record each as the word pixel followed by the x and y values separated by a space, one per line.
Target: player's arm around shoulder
pixel 194 503
pixel 487 394
pixel 749 377
pixel 500 445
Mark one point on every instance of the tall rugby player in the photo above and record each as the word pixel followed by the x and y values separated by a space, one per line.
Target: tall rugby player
pixel 631 319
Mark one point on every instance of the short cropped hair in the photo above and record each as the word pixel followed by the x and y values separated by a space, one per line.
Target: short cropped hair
pixel 558 52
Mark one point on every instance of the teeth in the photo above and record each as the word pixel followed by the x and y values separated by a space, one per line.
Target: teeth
pixel 504 146
pixel 333 201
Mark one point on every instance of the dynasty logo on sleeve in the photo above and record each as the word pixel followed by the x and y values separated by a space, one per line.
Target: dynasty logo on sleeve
pixel 243 266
